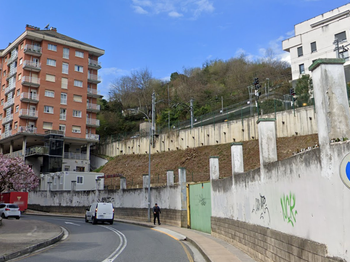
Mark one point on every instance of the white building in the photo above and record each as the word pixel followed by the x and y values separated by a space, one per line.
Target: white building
pixel 320 37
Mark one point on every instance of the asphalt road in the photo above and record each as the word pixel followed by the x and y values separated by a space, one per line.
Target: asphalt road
pixel 107 243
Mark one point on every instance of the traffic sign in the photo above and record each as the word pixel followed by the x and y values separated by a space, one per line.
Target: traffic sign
pixel 344 170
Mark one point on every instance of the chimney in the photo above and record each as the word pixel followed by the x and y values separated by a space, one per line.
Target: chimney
pixel 53 29
pixel 31 28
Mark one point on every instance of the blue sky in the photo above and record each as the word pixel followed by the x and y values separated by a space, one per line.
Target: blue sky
pixel 165 36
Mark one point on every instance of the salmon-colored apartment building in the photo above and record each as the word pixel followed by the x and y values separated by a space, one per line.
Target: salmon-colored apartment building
pixel 49 100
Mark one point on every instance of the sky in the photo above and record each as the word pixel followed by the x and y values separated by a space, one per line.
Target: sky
pixel 165 36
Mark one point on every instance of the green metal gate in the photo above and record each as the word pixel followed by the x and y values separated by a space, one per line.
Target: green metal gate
pixel 200 206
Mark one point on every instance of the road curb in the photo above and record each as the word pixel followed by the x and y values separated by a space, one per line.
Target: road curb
pixel 32 248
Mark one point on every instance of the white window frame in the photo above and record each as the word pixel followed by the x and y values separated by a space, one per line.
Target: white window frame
pixel 47 125
pixel 65 68
pixel 79 54
pixel 52 47
pixel 17 108
pixel 63 114
pixel 77 113
pixel 78 83
pixel 65 52
pixel 80 180
pixel 48 109
pixel 64 83
pixel 79 68
pixel 63 100
pixel 49 93
pixel 50 78
pixel 76 129
pixel 77 98
pixel 51 62
pixel 62 128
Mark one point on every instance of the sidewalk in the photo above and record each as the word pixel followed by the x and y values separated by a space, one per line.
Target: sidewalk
pixel 18 237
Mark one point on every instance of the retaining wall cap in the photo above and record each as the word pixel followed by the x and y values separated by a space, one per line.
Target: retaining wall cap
pixel 321 61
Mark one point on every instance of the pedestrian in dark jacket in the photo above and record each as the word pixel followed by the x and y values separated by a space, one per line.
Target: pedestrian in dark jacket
pixel 156 212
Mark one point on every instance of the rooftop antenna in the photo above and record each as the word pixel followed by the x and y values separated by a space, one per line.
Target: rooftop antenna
pixel 47 26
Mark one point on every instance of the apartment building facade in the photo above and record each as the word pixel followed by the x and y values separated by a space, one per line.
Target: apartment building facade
pixel 324 36
pixel 49 100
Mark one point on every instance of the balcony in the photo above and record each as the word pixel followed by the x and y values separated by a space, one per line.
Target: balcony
pixel 13 58
pixel 92 137
pixel 29 98
pixel 6 134
pixel 10 88
pixel 31 66
pixel 93 93
pixel 94 64
pixel 37 150
pixel 30 81
pixel 12 73
pixel 28 114
pixel 94 79
pixel 27 129
pixel 92 122
pixel 32 50
pixel 78 156
pixel 93 107
pixel 9 103
pixel 7 119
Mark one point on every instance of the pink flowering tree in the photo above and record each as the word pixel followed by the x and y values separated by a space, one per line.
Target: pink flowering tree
pixel 16 175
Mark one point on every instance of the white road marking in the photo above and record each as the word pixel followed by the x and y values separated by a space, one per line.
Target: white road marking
pixel 122 245
pixel 71 223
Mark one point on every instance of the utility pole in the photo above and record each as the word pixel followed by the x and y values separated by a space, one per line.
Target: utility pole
pixel 191 108
pixel 153 116
pixel 168 109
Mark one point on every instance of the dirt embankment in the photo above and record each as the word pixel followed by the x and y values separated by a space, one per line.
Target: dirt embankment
pixel 196 161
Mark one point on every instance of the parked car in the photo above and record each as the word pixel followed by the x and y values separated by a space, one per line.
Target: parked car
pixel 100 212
pixel 9 210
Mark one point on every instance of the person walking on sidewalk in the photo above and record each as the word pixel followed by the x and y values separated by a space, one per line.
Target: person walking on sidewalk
pixel 156 212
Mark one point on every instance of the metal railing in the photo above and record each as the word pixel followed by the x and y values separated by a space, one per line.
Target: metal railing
pixel 93 106
pixel 92 136
pixel 78 156
pixel 29 79
pixel 29 96
pixel 11 87
pixel 94 63
pixel 37 150
pixel 94 77
pixel 31 64
pixel 27 129
pixel 33 48
pixel 28 112
pixel 91 121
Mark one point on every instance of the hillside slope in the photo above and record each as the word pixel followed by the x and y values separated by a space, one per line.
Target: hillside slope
pixel 196 161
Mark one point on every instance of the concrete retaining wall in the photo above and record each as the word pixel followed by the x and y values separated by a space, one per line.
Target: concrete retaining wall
pixel 302 121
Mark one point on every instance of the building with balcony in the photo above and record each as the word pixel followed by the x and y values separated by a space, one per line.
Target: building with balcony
pixel 324 36
pixel 49 100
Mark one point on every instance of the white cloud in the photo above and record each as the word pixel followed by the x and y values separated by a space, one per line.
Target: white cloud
pixel 174 14
pixel 174 8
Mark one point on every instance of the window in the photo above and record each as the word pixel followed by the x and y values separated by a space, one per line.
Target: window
pixel 79 54
pixel 20 61
pixel 51 62
pixel 50 78
pixel 47 125
pixel 301 69
pixel 52 47
pixel 66 168
pixel 62 128
pixel 0 116
pixel 18 92
pixel 64 83
pixel 4 72
pixel 313 47
pixel 77 98
pixel 19 76
pixel 80 169
pixel 22 46
pixel 76 129
pixel 65 67
pixel 63 98
pixel 2 101
pixel 49 93
pixel 78 83
pixel 63 114
pixel 48 109
pixel 78 68
pixel 340 37
pixel 80 180
pixel 76 113
pixel 66 53
pixel 300 51
pixel 3 87
pixel 17 108
pixel 15 125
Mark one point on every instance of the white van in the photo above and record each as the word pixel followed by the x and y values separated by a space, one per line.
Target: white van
pixel 100 212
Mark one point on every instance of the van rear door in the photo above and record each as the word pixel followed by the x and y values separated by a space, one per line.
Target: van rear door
pixel 105 211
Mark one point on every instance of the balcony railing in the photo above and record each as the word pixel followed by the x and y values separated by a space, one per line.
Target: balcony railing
pixel 29 97
pixel 6 134
pixel 13 57
pixel 94 64
pixel 11 73
pixel 10 88
pixel 7 119
pixel 93 93
pixel 18 153
pixel 30 81
pixel 27 129
pixel 93 107
pixel 28 113
pixel 37 150
pixel 78 156
pixel 31 66
pixel 9 103
pixel 33 49
pixel 92 122
pixel 92 137
pixel 94 78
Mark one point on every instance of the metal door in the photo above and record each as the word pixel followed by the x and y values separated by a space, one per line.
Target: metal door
pixel 200 206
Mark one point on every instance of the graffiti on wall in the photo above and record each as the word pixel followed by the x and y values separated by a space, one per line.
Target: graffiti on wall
pixel 201 200
pixel 261 208
pixel 288 208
